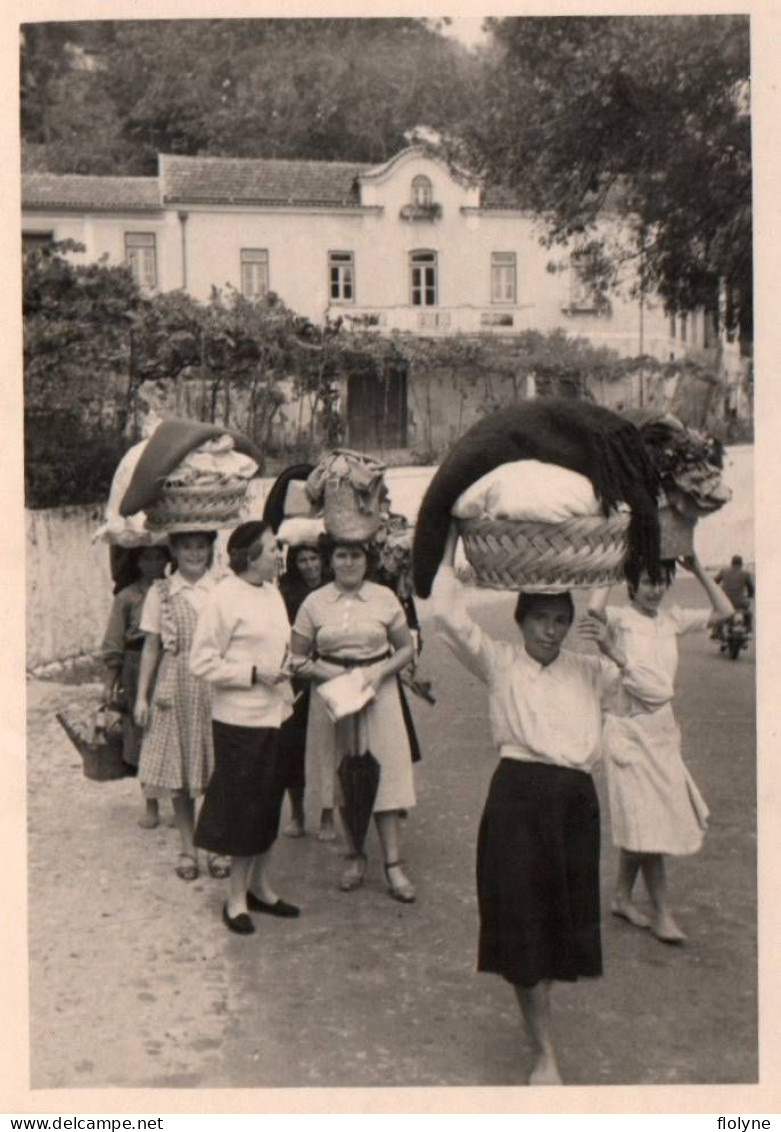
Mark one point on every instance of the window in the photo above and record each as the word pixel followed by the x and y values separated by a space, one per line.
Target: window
pixel 422 192
pixel 141 258
pixel 503 286
pixel 671 327
pixel 423 279
pixel 341 277
pixel 584 296
pixel 254 273
pixel 684 327
pixel 31 241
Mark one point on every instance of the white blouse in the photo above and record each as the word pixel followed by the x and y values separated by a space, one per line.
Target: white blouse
pixel 539 713
pixel 242 626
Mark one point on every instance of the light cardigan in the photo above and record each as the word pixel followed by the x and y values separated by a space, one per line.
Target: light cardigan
pixel 242 626
pixel 539 713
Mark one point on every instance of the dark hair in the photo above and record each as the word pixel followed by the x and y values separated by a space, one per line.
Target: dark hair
pixel 634 573
pixel 177 535
pixel 244 545
pixel 126 563
pixel 737 560
pixel 291 560
pixel 527 603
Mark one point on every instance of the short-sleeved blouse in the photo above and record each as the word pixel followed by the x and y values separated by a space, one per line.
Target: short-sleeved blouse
pixel 351 625
pixel 196 593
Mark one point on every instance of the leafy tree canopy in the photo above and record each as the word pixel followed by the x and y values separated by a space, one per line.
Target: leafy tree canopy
pixel 648 116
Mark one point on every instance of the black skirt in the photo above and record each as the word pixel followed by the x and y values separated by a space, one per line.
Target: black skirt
pixel 292 739
pixel 538 874
pixel 241 809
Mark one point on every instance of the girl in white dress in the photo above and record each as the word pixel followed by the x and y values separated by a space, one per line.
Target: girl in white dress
pixel 655 806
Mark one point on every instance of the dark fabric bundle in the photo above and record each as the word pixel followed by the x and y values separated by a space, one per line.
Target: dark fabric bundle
pixel 577 435
pixel 166 448
pixel 274 508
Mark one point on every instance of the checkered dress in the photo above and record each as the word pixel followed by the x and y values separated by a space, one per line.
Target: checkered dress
pixel 177 752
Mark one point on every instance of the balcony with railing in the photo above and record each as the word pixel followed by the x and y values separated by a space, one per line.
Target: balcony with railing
pixel 434 321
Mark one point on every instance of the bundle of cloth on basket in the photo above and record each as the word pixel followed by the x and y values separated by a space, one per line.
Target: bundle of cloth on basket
pixel 573 435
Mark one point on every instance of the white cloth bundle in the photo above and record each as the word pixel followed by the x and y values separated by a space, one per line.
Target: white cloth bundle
pixel 528 490
pixel 301 531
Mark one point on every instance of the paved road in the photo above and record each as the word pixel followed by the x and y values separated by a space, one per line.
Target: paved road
pixel 134 980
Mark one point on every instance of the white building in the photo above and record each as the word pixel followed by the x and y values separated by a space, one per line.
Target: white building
pixel 412 245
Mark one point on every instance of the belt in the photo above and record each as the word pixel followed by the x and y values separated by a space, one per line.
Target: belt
pixel 354 662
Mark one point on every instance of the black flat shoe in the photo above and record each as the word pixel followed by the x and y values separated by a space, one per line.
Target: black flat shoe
pixel 240 924
pixel 281 908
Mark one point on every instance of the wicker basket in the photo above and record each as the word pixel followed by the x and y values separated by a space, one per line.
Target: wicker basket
pixel 351 514
pixel 198 508
pixel 676 533
pixel 578 553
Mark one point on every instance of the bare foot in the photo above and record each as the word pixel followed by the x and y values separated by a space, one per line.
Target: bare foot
pixel 545 1071
pixel 294 828
pixel 327 833
pixel 666 930
pixel 626 910
pixel 149 820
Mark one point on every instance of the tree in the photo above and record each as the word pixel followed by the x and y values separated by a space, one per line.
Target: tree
pixel 329 89
pixel 644 116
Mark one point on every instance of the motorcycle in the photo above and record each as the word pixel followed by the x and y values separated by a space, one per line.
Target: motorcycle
pixel 733 635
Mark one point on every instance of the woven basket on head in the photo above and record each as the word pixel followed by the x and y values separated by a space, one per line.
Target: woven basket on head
pixel 513 555
pixel 676 533
pixel 351 514
pixel 198 508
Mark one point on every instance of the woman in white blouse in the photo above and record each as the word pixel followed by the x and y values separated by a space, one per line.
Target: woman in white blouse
pixel 538 845
pixel 240 648
pixel 655 806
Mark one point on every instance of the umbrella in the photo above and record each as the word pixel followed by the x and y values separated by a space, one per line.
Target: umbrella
pixel 359 776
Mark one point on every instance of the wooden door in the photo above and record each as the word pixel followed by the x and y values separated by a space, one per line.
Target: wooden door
pixel 377 408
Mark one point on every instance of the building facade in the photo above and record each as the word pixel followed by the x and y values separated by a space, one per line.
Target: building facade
pixel 412 246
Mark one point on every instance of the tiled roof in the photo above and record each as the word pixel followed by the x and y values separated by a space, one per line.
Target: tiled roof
pixel 244 180
pixel 100 194
pixel 218 180
pixel 497 196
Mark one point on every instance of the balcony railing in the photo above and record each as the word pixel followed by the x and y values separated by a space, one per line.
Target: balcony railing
pixel 435 320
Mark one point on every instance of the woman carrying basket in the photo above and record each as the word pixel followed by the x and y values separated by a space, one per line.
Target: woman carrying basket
pixel 353 623
pixel 538 845
pixel 176 753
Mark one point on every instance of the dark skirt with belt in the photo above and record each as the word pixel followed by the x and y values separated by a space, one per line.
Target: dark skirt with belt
pixel 538 874
pixel 240 812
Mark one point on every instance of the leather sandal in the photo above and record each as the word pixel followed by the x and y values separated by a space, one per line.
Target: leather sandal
pixel 219 866
pixel 404 893
pixel 187 868
pixel 352 877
